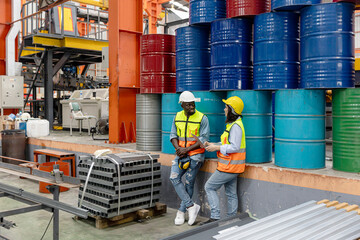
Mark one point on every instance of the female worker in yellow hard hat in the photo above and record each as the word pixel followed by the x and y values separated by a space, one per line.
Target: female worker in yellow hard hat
pixel 231 154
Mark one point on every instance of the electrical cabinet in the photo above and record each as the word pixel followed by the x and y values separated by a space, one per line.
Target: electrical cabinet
pixel 11 92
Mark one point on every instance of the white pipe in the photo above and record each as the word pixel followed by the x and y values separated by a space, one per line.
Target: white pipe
pixel 11 36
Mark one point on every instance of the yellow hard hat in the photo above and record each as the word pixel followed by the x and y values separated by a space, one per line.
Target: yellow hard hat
pixel 236 103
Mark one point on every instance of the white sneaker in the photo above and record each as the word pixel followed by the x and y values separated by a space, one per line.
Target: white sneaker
pixel 193 212
pixel 180 218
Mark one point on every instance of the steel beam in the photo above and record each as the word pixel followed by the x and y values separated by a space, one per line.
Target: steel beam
pixel 43 200
pixel 19 199
pixel 15 167
pixel 22 210
pixel 55 190
pixel 84 71
pixel 49 88
pixel 66 179
pixel 61 62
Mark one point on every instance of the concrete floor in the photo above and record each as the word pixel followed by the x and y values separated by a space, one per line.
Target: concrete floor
pixel 32 225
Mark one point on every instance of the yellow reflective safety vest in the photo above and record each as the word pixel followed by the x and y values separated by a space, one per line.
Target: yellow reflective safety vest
pixel 186 126
pixel 234 162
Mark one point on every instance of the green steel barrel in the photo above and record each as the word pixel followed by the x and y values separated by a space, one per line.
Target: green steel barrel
pixel 300 129
pixel 257 122
pixel 346 130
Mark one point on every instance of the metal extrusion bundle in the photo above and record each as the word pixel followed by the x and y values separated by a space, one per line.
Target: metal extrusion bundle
pixel 140 181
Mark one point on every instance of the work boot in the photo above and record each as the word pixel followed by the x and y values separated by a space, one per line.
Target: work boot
pixel 180 218
pixel 210 220
pixel 193 212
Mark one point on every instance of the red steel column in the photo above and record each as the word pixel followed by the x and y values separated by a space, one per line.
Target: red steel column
pixel 125 29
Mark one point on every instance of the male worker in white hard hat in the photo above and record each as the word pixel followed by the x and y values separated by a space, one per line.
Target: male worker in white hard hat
pixel 189 154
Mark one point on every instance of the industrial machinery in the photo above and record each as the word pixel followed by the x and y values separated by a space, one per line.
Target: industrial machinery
pixel 102 128
pixel 94 102
pixel 58 46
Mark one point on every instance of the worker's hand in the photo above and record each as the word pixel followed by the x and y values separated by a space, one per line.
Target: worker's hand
pixel 181 152
pixel 211 147
pixel 206 143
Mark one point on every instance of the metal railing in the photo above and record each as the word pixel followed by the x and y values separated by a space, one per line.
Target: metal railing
pixel 90 23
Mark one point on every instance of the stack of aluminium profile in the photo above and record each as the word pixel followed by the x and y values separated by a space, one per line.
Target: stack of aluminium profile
pixel 139 188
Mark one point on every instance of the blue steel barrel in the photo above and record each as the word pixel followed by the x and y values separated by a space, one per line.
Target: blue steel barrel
pixel 206 11
pixel 210 104
pixel 192 59
pixel 273 120
pixel 291 5
pixel 231 63
pixel 169 107
pixel 327 46
pixel 300 129
pixel 257 115
pixel 276 50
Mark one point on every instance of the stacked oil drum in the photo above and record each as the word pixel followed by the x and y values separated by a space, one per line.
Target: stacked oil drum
pixel 119 183
pixel 327 62
pixel 213 57
pixel 157 76
pixel 280 58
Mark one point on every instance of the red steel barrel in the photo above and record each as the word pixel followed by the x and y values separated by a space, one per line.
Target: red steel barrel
pixel 238 8
pixel 158 59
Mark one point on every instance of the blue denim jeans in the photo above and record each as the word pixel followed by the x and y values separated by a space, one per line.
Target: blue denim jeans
pixel 229 180
pixel 184 191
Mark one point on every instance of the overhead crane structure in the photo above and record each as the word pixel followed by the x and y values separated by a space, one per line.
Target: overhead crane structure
pixel 125 29
pixel 51 41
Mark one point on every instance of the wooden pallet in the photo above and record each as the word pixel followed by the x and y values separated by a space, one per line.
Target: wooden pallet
pixel 101 223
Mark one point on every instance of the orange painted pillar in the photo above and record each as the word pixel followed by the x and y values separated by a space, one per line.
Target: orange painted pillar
pixel 5 19
pixel 153 9
pixel 125 29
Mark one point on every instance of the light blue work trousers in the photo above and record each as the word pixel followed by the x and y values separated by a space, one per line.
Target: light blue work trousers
pixel 229 180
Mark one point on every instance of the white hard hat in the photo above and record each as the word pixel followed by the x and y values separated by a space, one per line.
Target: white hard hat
pixel 187 96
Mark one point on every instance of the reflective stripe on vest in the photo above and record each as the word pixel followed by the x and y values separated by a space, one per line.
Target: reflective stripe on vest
pixel 185 127
pixel 234 162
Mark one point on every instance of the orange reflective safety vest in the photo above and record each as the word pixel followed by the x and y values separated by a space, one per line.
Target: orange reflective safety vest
pixel 186 126
pixel 234 162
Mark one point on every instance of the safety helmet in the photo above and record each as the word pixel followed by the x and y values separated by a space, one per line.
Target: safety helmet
pixel 187 96
pixel 236 103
